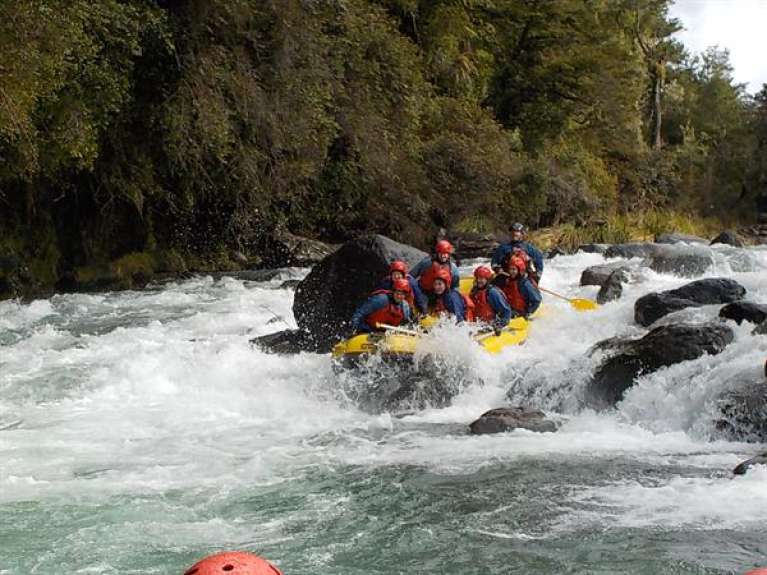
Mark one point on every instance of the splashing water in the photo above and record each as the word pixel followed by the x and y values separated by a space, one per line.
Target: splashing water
pixel 139 431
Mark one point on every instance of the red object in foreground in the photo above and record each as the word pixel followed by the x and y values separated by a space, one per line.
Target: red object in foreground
pixel 760 571
pixel 233 563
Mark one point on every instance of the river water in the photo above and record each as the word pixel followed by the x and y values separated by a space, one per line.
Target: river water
pixel 139 431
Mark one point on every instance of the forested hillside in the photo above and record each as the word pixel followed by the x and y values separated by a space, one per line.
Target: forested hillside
pixel 140 136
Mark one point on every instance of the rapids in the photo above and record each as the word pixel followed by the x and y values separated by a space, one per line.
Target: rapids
pixel 139 431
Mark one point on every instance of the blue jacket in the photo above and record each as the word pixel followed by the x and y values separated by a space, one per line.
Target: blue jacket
pixel 425 264
pixel 500 305
pixel 532 296
pixel 453 302
pixel 505 249
pixel 373 304
pixel 421 301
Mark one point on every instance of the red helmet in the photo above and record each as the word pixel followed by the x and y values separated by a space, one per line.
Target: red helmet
pixel 759 571
pixel 483 272
pixel 444 275
pixel 519 263
pixel 398 266
pixel 233 563
pixel 444 247
pixel 401 285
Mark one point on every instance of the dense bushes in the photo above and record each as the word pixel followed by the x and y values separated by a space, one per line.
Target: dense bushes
pixel 200 126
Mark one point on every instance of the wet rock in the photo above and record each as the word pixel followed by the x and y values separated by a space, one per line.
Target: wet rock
pixel 290 284
pixel 473 245
pixel 599 274
pixel 653 306
pixel 556 251
pixel 510 418
pixel 741 311
pixel 326 299
pixel 754 234
pixel 761 329
pixel 677 238
pixel 744 412
pixel 593 248
pixel 665 345
pixel 612 289
pixel 743 467
pixel 284 342
pixel 285 249
pixel 728 237
pixel 681 260
pixel 631 250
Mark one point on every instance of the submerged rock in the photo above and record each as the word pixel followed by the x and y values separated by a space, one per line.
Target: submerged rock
pixel 665 345
pixel 286 341
pixel 651 307
pixel 678 238
pixel 510 418
pixel 326 299
pixel 728 237
pixel 741 311
pixel 593 248
pixel 761 329
pixel 632 250
pixel 473 245
pixel 599 274
pixel 612 289
pixel 743 467
pixel 744 412
pixel 680 260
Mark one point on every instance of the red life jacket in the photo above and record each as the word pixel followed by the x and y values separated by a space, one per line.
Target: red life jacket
pixel 470 308
pixel 516 300
pixel 391 314
pixel 426 281
pixel 483 311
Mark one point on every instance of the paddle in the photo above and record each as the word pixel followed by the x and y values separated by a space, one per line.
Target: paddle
pixel 577 303
pixel 396 329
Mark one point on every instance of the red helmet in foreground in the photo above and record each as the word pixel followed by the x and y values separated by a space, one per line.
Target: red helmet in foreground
pixel 483 272
pixel 233 563
pixel 401 285
pixel 759 571
pixel 444 247
pixel 398 266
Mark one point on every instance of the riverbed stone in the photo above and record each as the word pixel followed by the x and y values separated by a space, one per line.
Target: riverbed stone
pixel 679 238
pixel 509 418
pixel 681 260
pixel 632 250
pixel 593 248
pixel 728 237
pixel 741 311
pixel 597 275
pixel 663 346
pixel 612 289
pixel 651 307
pixel 743 467
pixel 743 412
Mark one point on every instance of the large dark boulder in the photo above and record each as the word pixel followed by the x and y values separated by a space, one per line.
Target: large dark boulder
pixel 510 418
pixel 665 345
pixel 631 250
pixel 741 311
pixel 748 463
pixel 744 412
pixel 326 299
pixel 612 289
pixel 678 238
pixel 653 306
pixel 598 275
pixel 681 260
pixel 728 237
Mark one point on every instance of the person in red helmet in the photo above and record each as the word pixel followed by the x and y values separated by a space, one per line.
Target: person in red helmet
pixel 532 255
pixel 520 292
pixel 417 300
pixel 384 307
pixel 444 299
pixel 427 268
pixel 490 304
pixel 233 563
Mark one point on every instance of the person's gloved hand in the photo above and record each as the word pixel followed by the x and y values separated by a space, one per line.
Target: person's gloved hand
pixel 497 329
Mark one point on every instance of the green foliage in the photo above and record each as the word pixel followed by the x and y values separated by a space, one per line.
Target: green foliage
pixel 160 138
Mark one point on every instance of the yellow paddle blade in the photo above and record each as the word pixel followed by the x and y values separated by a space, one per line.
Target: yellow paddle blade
pixel 583 304
pixel 465 284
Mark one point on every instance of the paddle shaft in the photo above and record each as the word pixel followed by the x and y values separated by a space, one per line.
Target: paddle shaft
pixel 394 328
pixel 555 294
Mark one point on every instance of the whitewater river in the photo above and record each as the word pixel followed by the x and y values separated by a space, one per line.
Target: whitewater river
pixel 139 431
